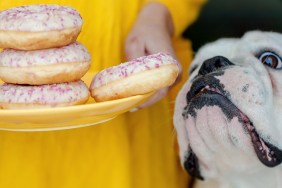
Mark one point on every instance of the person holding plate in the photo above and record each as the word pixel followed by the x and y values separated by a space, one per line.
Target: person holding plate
pixel 136 149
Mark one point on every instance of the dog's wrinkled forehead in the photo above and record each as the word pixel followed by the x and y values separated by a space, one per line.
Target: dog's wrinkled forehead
pixel 252 43
pixel 223 47
pixel 256 41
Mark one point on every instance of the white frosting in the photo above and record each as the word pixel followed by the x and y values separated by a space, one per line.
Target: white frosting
pixel 75 52
pixel 44 94
pixel 39 18
pixel 128 68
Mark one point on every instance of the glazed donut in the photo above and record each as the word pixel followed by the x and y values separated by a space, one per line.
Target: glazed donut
pixel 48 66
pixel 139 76
pixel 34 27
pixel 43 96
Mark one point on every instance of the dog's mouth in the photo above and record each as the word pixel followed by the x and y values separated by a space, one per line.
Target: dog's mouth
pixel 207 91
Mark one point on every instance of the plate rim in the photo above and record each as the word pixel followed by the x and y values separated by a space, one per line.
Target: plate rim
pixel 80 107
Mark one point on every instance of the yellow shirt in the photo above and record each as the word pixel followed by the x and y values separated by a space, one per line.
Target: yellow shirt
pixel 133 150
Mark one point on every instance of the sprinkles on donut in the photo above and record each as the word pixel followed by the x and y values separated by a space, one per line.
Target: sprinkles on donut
pixel 47 66
pixel 33 27
pixel 139 76
pixel 41 63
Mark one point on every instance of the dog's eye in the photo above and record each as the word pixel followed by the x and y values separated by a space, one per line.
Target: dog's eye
pixel 271 59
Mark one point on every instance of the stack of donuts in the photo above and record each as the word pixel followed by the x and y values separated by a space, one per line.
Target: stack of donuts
pixel 41 62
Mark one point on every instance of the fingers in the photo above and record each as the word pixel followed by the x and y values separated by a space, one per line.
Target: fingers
pixel 134 48
pixel 137 46
pixel 155 98
pixel 163 44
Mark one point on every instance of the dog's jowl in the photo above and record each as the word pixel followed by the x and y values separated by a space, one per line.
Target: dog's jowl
pixel 228 115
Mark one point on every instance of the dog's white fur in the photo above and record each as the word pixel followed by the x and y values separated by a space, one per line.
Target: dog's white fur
pixel 224 150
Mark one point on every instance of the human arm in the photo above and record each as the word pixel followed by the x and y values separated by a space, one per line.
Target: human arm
pixel 157 23
pixel 151 34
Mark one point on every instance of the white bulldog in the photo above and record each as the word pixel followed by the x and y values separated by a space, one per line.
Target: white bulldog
pixel 228 115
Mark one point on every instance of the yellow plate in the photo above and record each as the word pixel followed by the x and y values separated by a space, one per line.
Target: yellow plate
pixel 68 117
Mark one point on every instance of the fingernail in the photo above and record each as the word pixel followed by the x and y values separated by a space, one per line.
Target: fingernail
pixel 133 110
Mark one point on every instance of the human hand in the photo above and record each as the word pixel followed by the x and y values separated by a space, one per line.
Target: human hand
pixel 151 34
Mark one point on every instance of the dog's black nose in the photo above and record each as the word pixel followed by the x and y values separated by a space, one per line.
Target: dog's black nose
pixel 214 64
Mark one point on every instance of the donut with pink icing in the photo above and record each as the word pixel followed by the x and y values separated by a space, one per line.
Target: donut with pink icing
pixel 34 27
pixel 44 96
pixel 48 66
pixel 139 76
